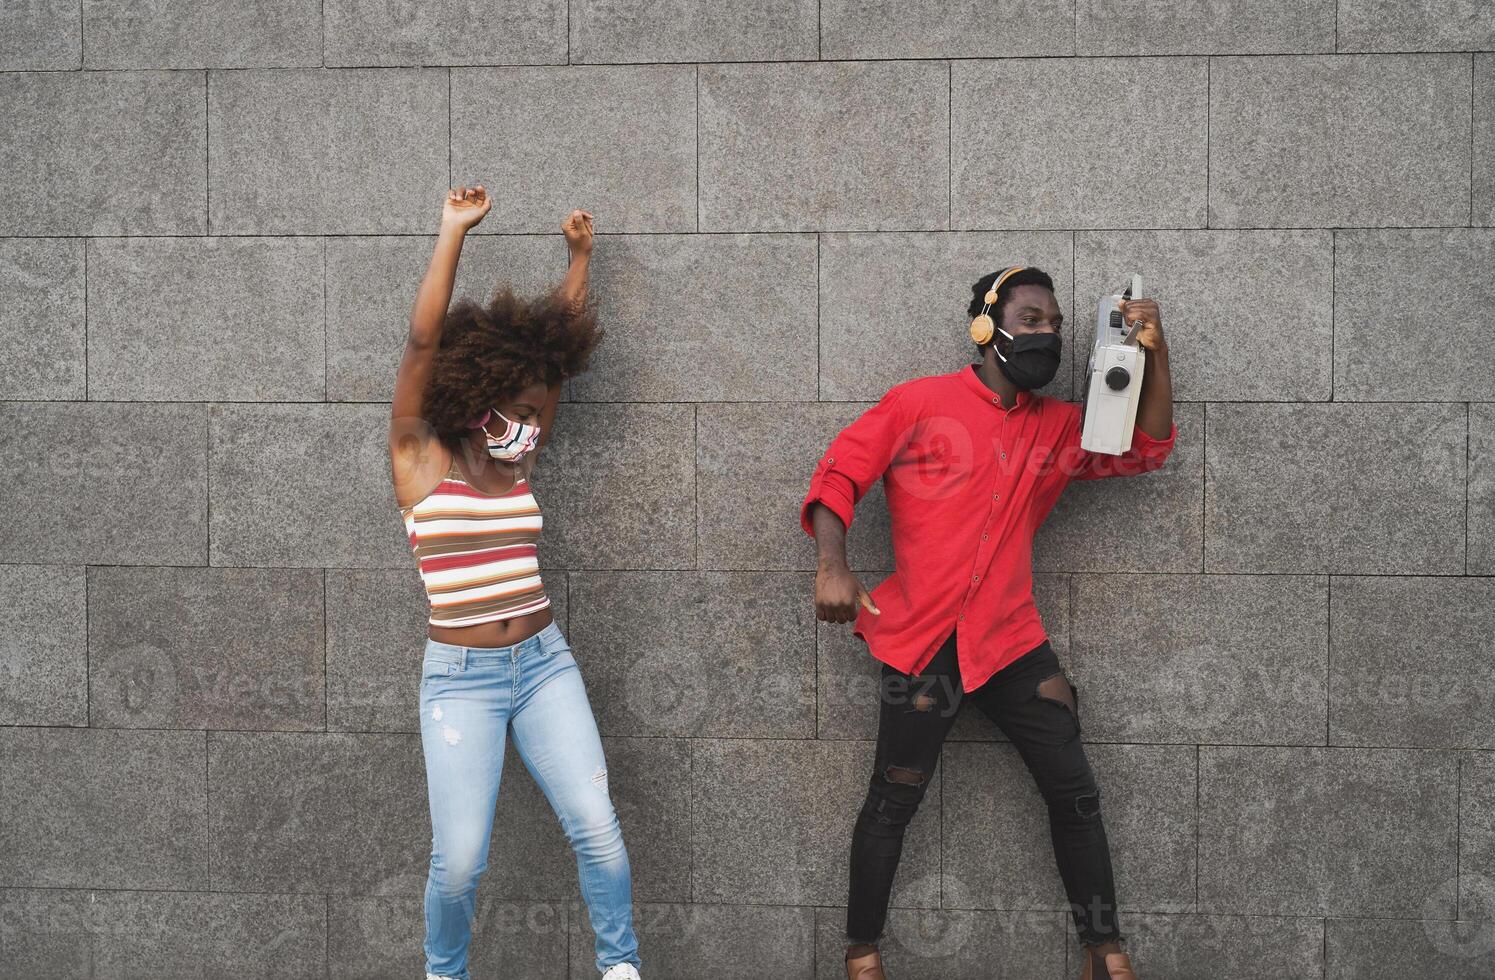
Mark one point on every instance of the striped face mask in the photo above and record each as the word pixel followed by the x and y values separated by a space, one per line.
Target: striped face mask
pixel 517 438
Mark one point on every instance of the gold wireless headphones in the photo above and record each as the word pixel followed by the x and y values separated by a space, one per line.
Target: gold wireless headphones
pixel 982 327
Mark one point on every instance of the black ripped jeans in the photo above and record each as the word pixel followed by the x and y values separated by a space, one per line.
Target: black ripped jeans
pixel 1035 705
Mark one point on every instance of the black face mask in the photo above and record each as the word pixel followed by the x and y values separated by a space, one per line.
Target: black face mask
pixel 1034 359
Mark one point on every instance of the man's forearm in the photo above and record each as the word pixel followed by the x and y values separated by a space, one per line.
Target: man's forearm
pixel 830 536
pixel 1155 400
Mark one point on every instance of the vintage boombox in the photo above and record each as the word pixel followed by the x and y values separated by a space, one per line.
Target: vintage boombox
pixel 1116 362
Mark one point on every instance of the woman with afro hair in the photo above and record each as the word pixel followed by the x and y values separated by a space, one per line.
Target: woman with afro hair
pixel 474 403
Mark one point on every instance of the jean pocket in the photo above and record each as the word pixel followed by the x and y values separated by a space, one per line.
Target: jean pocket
pixel 553 643
pixel 432 669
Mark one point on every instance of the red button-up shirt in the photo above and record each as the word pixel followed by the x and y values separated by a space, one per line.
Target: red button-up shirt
pixel 968 482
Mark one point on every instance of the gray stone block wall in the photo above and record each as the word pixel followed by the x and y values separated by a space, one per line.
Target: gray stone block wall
pixel 213 218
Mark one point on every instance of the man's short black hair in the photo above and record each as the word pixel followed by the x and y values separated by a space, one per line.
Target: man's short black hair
pixel 1028 277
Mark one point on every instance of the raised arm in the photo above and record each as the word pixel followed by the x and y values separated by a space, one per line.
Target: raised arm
pixel 578 231
pixel 577 227
pixel 409 433
pixel 1155 400
pixel 1156 433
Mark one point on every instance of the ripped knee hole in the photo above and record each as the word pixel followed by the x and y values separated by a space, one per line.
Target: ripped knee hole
pixel 902 774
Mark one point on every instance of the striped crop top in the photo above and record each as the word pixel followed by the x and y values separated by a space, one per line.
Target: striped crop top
pixel 477 552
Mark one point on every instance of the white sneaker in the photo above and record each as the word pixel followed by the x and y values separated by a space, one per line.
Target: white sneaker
pixel 621 971
pixel 432 976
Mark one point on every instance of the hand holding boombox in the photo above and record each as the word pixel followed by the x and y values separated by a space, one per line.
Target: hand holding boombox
pixel 1126 325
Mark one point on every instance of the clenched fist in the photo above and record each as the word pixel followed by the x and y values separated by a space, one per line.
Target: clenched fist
pixel 838 594
pixel 578 231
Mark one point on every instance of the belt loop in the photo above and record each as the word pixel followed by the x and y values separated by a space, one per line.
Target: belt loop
pixel 464 658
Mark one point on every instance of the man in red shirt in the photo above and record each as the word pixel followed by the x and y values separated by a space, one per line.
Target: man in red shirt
pixel 972 462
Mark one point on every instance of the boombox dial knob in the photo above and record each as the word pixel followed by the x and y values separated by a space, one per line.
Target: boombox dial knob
pixel 1118 378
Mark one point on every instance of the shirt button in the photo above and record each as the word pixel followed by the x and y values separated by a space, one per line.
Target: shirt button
pixel 995 496
pixel 983 537
pixel 962 615
pixel 830 459
pixel 1004 455
pixel 975 578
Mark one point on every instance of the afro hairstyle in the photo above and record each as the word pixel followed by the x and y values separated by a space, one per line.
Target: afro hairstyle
pixel 492 351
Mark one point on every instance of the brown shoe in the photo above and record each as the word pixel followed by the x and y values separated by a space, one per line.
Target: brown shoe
pixel 1106 966
pixel 863 965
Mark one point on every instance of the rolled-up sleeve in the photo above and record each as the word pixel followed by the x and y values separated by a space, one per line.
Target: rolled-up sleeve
pixel 1146 454
pixel 856 459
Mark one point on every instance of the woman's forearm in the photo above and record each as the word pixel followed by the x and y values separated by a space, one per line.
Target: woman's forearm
pixel 573 289
pixel 435 292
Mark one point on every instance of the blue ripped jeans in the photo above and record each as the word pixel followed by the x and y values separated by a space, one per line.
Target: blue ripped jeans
pixel 470 699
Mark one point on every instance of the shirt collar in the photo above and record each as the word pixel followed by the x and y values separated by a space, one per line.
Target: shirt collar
pixel 978 387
